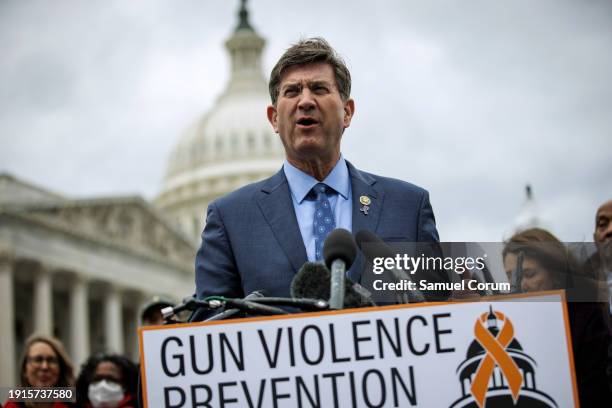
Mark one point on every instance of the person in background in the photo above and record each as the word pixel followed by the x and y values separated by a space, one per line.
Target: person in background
pixel 601 262
pixel 545 262
pixel 548 265
pixel 151 314
pixel 599 267
pixel 107 381
pixel 44 364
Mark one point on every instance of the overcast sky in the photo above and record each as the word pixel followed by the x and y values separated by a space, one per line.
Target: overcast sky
pixel 469 99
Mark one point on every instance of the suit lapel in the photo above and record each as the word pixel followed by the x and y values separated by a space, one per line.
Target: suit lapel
pixel 362 186
pixel 275 203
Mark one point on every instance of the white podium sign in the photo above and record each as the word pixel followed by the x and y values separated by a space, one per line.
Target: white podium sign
pixel 493 352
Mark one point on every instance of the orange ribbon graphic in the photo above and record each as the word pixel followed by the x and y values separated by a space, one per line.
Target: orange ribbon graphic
pixel 495 347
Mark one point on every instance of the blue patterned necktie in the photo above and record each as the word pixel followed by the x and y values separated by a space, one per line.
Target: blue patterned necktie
pixel 323 220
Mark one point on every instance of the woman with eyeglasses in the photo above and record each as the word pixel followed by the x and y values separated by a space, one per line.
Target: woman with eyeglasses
pixel 44 364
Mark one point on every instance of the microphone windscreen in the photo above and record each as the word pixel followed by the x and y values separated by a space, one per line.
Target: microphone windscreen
pixel 372 246
pixel 339 244
pixel 311 281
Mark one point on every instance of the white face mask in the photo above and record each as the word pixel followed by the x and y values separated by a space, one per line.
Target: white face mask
pixel 105 394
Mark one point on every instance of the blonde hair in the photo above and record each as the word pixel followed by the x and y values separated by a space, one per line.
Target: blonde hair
pixel 66 376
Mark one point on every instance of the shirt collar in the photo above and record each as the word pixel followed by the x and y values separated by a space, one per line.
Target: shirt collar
pixel 301 183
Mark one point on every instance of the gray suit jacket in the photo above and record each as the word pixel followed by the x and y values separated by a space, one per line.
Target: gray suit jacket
pixel 252 240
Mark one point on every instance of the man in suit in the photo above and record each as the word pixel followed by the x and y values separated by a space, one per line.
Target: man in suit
pixel 257 238
pixel 603 239
pixel 600 268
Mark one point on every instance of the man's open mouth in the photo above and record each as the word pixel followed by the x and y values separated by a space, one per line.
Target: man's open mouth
pixel 306 122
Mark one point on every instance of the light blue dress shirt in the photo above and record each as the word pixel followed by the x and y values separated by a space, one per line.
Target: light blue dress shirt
pixel 301 183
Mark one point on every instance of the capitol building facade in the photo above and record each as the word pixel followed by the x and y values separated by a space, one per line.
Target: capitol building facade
pixel 82 269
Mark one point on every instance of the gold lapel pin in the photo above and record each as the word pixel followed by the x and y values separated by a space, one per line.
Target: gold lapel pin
pixel 365 204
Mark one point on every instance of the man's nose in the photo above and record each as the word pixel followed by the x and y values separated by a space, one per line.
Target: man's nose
pixel 306 101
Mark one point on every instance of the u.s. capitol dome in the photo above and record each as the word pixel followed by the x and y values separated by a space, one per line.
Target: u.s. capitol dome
pixel 231 145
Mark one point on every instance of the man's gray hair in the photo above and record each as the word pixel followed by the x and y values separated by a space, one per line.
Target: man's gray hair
pixel 309 51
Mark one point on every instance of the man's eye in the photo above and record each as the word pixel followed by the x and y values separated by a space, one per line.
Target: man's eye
pixel 602 223
pixel 320 89
pixel 290 92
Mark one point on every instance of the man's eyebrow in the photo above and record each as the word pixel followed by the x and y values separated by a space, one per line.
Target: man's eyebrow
pixel 319 82
pixel 290 84
pixel 309 84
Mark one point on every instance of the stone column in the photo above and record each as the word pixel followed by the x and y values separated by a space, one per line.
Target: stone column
pixel 43 302
pixel 79 320
pixel 113 325
pixel 140 301
pixel 7 319
pixel 130 326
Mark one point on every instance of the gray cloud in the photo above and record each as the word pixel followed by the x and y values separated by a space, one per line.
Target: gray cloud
pixel 469 99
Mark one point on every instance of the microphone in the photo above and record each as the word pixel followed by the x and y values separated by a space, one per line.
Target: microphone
pixel 517 275
pixel 189 303
pixel 303 303
pixel 255 308
pixel 229 313
pixel 339 251
pixel 374 247
pixel 312 281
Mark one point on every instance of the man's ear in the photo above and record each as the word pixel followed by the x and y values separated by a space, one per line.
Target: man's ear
pixel 272 116
pixel 349 111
